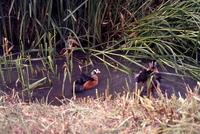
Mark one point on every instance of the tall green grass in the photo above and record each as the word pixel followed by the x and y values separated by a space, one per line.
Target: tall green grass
pixel 166 30
pixel 170 34
pixel 37 28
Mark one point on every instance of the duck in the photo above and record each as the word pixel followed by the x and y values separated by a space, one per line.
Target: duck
pixel 87 81
pixel 146 74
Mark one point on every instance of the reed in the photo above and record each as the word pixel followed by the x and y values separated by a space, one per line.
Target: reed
pixel 167 31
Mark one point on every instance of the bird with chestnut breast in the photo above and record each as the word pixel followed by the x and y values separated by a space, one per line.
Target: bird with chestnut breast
pixel 87 81
pixel 149 73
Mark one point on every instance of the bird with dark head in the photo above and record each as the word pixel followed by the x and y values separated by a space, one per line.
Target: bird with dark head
pixel 144 75
pixel 87 81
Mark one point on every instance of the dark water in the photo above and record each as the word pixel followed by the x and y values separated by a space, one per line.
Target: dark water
pixel 110 79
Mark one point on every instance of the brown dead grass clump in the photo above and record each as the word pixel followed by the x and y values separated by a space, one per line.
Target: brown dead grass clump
pixel 126 113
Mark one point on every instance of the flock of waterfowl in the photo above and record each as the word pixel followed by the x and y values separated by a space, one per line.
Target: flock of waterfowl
pixel 149 78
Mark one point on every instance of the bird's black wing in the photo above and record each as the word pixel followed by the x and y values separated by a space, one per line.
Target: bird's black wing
pixel 78 88
pixel 84 77
pixel 143 75
pixel 79 83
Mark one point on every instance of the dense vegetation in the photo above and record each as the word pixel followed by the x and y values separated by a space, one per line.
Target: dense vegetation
pixel 166 30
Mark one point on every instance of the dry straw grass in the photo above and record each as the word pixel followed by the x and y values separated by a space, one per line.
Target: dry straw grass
pixel 126 113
